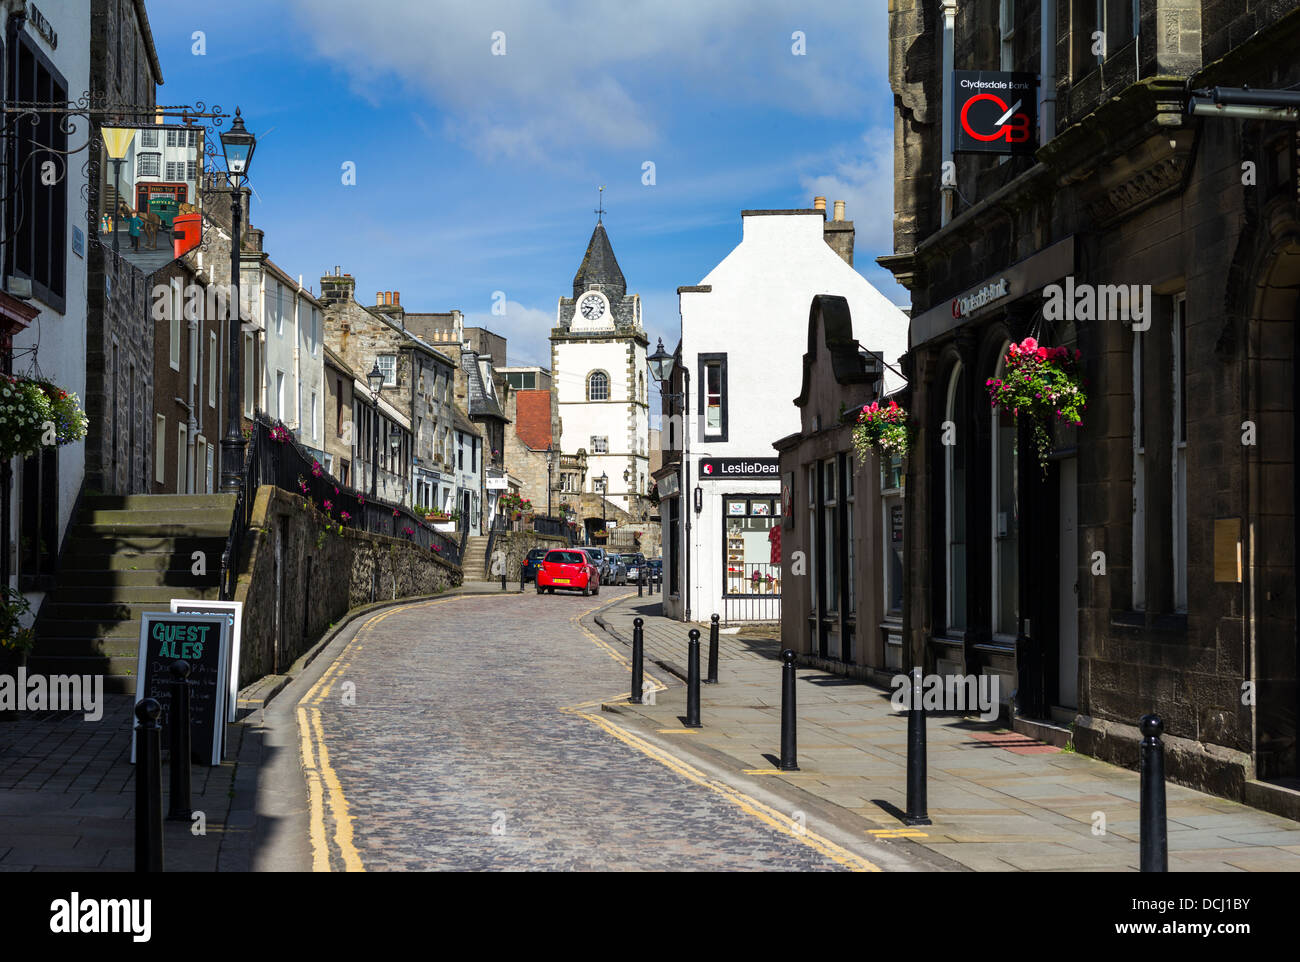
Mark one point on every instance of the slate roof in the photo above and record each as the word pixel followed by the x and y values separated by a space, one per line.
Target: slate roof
pixel 599 270
pixel 481 403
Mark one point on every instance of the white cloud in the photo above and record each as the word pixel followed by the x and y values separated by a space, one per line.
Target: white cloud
pixel 596 73
pixel 526 330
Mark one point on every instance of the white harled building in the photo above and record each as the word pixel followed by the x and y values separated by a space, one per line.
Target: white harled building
pixel 598 371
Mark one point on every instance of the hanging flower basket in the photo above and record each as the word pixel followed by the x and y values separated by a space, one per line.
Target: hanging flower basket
pixel 281 434
pixel 24 411
pixel 70 421
pixel 880 430
pixel 1043 384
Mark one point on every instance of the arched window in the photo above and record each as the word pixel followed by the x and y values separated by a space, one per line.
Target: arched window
pixel 598 386
pixel 1005 517
pixel 954 456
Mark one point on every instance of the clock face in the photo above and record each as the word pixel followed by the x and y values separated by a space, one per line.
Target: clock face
pixel 592 307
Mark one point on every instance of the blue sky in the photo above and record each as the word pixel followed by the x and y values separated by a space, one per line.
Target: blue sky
pixel 478 173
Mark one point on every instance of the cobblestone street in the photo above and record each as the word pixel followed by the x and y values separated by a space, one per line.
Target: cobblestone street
pixel 476 742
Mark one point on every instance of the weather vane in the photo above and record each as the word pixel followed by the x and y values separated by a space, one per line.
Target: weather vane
pixel 600 207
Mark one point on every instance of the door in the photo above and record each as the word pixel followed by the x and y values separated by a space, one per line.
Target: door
pixel 1068 586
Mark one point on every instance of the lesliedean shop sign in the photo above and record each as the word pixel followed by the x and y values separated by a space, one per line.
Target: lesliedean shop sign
pixel 739 468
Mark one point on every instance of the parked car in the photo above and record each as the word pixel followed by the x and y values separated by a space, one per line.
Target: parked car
pixel 656 567
pixel 531 564
pixel 599 557
pixel 616 570
pixel 635 562
pixel 568 569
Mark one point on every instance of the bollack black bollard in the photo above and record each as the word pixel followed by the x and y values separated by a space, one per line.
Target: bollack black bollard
pixel 916 801
pixel 789 754
pixel 148 788
pixel 693 680
pixel 713 652
pixel 178 721
pixel 1153 831
pixel 638 659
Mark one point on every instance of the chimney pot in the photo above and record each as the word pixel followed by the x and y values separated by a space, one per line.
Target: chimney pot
pixel 839 210
pixel 388 298
pixel 379 298
pixel 397 297
pixel 819 203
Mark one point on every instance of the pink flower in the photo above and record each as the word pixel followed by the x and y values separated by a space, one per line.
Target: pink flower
pixel 329 505
pixel 1029 345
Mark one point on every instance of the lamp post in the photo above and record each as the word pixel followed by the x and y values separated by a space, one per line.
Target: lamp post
pixel 375 379
pixel 604 499
pixel 662 365
pixel 117 140
pixel 238 145
pixel 550 466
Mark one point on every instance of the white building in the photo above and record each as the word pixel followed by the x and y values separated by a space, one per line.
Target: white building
pixel 43 303
pixel 744 330
pixel 598 371
pixel 287 320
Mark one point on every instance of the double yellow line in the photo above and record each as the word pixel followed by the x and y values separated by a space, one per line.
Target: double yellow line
pixel 323 784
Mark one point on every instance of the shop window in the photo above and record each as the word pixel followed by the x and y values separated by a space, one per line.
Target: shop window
pixel 1005 520
pixel 954 456
pixel 830 539
pixel 748 545
pixel 713 395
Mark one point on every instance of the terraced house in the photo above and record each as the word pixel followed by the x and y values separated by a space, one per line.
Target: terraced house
pixel 1053 184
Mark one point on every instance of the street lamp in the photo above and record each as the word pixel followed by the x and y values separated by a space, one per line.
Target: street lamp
pixel 238 145
pixel 1242 103
pixel 117 140
pixel 604 495
pixel 375 379
pixel 551 452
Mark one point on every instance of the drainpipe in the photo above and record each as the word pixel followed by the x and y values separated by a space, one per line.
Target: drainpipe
pixel 1047 72
pixel 949 191
pixel 192 425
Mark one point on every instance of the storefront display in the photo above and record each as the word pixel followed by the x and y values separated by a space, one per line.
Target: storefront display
pixel 747 545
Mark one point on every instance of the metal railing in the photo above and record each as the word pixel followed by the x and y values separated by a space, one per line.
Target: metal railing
pixel 752 592
pixel 287 466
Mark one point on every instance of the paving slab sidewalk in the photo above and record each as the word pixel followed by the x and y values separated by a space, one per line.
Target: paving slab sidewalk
pixel 999 800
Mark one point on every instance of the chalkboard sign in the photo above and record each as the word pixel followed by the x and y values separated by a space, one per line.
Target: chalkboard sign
pixel 204 642
pixel 234 612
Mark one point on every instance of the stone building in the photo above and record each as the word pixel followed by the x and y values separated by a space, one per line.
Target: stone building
pixel 124 69
pixel 532 428
pixel 418 381
pixel 189 415
pixel 1150 566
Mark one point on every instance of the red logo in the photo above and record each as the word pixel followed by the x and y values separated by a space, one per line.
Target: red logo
pixel 1012 124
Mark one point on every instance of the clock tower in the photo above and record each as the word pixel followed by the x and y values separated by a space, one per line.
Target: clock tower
pixel 598 372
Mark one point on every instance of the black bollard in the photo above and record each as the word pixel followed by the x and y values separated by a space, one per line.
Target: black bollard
pixel 148 788
pixel 713 652
pixel 693 680
pixel 789 754
pixel 521 579
pixel 1153 832
pixel 503 581
pixel 638 659
pixel 916 803
pixel 640 582
pixel 178 721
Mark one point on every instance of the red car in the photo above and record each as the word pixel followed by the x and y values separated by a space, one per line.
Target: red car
pixel 569 569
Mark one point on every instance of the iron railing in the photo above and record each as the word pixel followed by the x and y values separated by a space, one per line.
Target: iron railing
pixel 752 592
pixel 287 466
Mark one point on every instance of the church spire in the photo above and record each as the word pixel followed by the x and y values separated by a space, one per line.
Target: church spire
pixel 599 270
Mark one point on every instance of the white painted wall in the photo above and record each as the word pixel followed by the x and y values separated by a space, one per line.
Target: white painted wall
pixel 62 336
pixel 757 314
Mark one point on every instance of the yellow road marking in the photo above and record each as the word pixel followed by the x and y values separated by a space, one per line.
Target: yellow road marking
pixel 896 833
pixel 322 781
pixel 677 731
pixel 750 806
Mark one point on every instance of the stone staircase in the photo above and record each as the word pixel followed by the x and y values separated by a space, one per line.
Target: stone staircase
pixel 126 554
pixel 475 557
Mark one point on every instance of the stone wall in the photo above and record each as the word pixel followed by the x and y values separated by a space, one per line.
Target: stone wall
pixel 300 577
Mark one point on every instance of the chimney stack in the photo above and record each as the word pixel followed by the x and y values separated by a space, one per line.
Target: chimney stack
pixel 819 203
pixel 838 233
